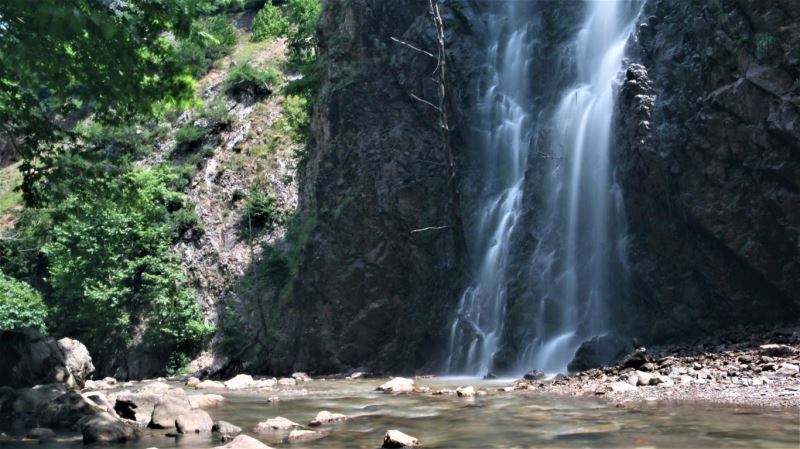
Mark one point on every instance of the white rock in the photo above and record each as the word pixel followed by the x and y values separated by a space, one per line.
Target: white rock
pixel 397 385
pixel 325 417
pixel 210 385
pixel 303 435
pixel 644 378
pixel 465 392
pixel 277 423
pixel 244 442
pixel 205 400
pixel 788 369
pixel 240 382
pixel 192 382
pixel 397 439
pixel 265 383
pixel 287 382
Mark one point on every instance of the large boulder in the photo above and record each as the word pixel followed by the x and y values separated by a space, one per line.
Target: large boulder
pixel 168 408
pixel 226 428
pixel 244 442
pixel 64 412
pixel 30 358
pixel 103 427
pixel 29 400
pixel 600 351
pixel 136 406
pixel 194 421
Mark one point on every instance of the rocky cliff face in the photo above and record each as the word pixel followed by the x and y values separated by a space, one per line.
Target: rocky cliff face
pixel 709 158
pixel 370 291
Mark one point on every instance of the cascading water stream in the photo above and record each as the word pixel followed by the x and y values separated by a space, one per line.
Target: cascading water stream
pixel 580 253
pixel 478 327
pixel 583 248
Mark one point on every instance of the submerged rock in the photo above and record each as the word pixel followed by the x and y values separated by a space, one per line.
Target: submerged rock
pixel 326 417
pixel 226 428
pixel 104 427
pixel 304 435
pixel 277 423
pixel 205 400
pixel 397 439
pixel 244 442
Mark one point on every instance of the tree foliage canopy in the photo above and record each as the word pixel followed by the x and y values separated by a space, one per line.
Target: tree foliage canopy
pixel 62 59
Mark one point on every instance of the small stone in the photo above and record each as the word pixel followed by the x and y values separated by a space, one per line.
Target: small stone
pixel 192 382
pixel 397 439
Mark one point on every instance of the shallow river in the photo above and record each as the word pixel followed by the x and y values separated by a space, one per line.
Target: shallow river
pixel 500 420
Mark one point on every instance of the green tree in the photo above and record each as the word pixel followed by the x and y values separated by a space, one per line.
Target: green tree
pixel 61 59
pixel 269 23
pixel 20 305
pixel 107 249
pixel 304 16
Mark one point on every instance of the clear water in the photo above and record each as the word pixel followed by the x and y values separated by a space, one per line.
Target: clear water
pixel 501 420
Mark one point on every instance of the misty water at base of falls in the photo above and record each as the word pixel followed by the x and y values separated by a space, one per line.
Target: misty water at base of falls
pixel 577 267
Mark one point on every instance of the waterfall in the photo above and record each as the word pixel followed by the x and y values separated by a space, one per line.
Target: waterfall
pixel 580 250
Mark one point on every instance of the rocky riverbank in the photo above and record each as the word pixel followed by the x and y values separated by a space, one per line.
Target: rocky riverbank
pixel 762 369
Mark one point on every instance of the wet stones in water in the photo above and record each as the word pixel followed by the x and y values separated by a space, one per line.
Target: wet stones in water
pixel 136 406
pixel 240 382
pixel 210 385
pixel 465 392
pixel 168 408
pixel 398 385
pixel 244 442
pixel 224 428
pixel 489 376
pixel 325 417
pixel 397 439
pixel 274 424
pixel 195 421
pixel 104 427
pixel 205 400
pixel 534 375
pixel 298 435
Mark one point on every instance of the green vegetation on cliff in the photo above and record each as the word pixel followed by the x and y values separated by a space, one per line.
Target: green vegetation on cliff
pixel 20 305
